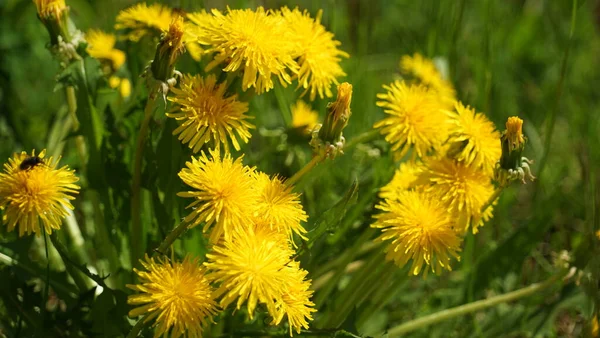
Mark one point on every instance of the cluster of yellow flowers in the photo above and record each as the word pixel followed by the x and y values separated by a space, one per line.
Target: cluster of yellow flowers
pixel 250 218
pixel 446 187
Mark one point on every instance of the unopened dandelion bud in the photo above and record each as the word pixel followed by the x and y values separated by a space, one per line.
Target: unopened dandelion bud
pixel 168 50
pixel 338 114
pixel 328 137
pixel 512 165
pixel 54 15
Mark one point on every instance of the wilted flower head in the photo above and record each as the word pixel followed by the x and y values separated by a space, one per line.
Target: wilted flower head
pixel 177 294
pixel 415 119
pixel 168 50
pixel 327 139
pixel 317 52
pixel 54 15
pixel 32 189
pixel 463 188
pixel 255 42
pixel 224 194
pixel 513 165
pixel 417 226
pixel 473 138
pixel 101 46
pixel 206 113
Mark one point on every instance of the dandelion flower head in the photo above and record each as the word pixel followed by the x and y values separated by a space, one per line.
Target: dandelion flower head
pixel 177 294
pixel 33 191
pixel 101 46
pixel 140 20
pixel 304 117
pixel 473 139
pixel 415 119
pixel 417 226
pixel 251 267
pixel 463 188
pixel 255 42
pixel 206 113
pixel 295 303
pixel 428 74
pixel 317 51
pixel 405 178
pixel 224 193
pixel 278 207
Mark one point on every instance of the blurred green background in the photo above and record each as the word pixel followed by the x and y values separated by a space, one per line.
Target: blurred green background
pixel 535 59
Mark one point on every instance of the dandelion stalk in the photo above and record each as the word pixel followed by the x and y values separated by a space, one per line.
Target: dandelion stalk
pixel 472 307
pixel 171 237
pixel 47 281
pixel 362 138
pixel 492 198
pixel 138 327
pixel 62 251
pixel 308 167
pixel 136 216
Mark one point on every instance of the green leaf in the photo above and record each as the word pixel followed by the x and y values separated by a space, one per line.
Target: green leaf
pixel 330 219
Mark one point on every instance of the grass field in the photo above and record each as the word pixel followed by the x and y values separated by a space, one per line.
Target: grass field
pixel 535 59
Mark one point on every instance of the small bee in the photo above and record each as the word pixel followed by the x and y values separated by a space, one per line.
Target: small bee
pixel 30 162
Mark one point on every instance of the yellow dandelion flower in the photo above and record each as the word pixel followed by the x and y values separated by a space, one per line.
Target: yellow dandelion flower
pixel 304 117
pixel 140 20
pixel 278 207
pixel 427 73
pixel 101 46
pixel 33 189
pixel 295 303
pixel 463 188
pixel 473 139
pixel 318 54
pixel 418 227
pixel 415 118
pixel 177 294
pixel 206 113
pixel 404 179
pixel 251 267
pixel 257 42
pixel 224 194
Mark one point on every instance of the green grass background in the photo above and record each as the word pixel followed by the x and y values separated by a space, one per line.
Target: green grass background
pixel 535 59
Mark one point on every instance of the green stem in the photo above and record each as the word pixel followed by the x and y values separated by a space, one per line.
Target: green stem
pixel 47 286
pixel 364 137
pixel 492 198
pixel 62 251
pixel 136 217
pixel 72 104
pixel 471 307
pixel 171 237
pixel 285 333
pixel 308 167
pixel 137 328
